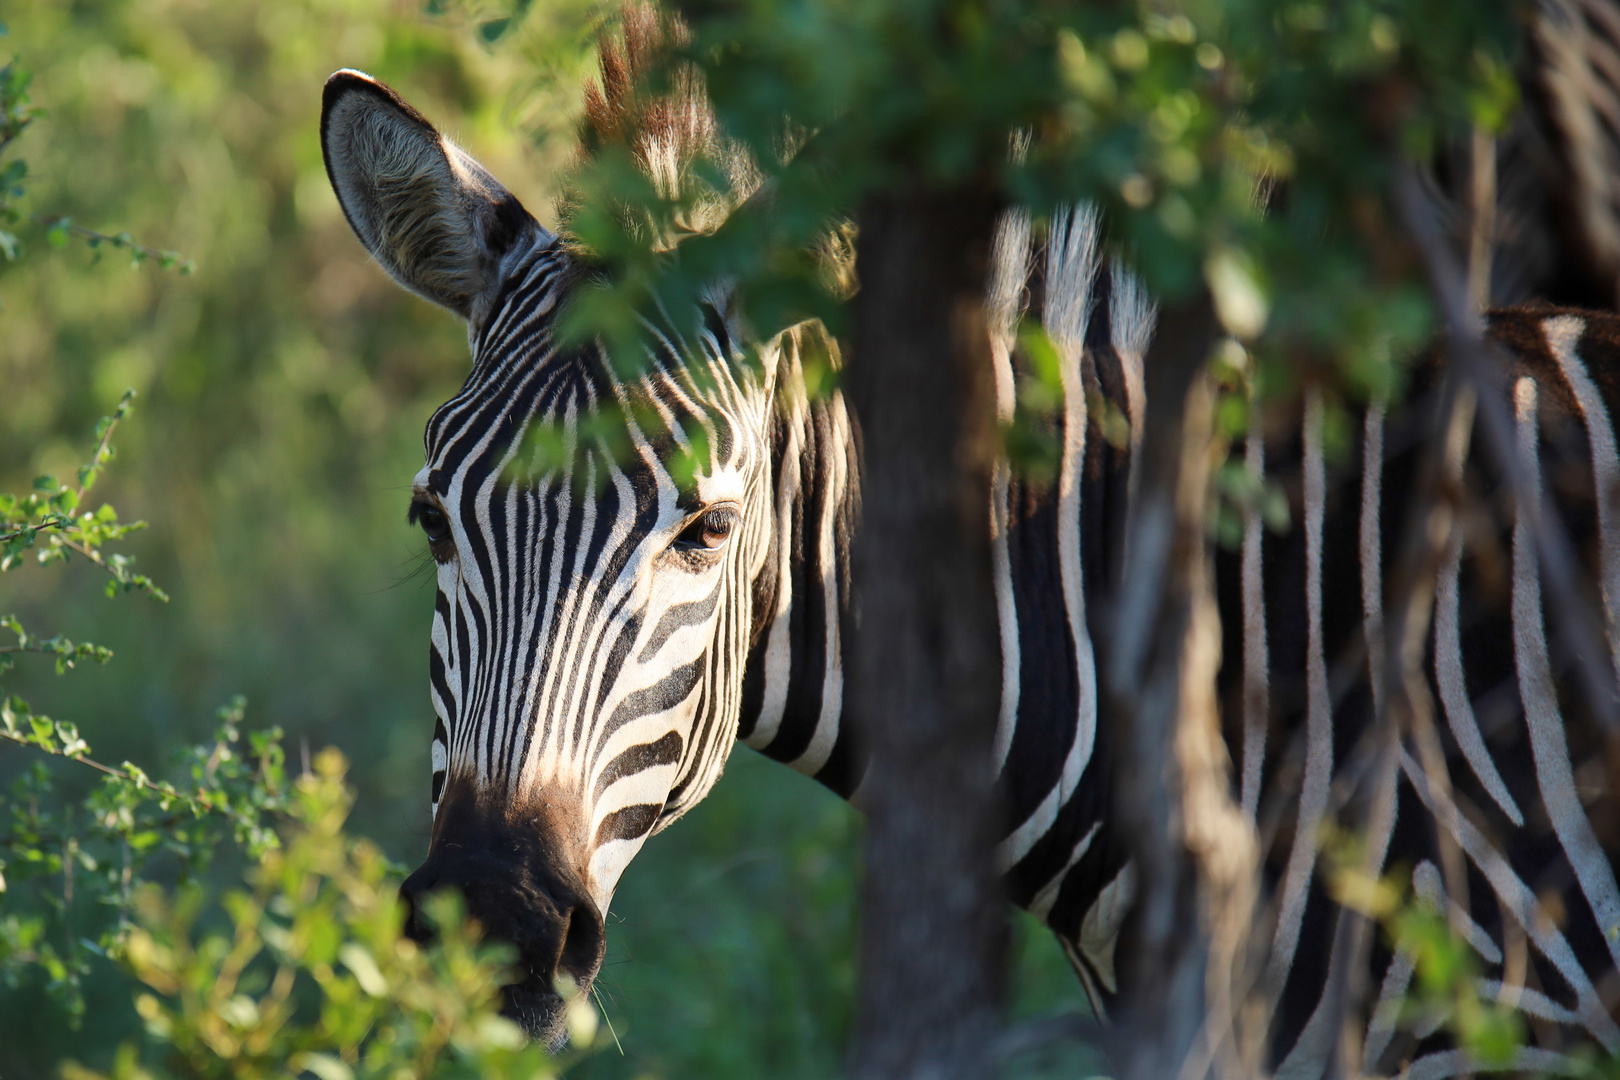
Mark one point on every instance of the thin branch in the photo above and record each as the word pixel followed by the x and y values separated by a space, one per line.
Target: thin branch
pixel 103 447
pixel 1477 358
pixel 122 241
pixel 72 545
pixel 123 578
pixel 1396 657
pixel 139 781
pixel 88 552
pixel 54 523
pixel 44 838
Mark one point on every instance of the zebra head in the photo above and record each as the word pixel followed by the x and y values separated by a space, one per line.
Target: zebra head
pixel 597 538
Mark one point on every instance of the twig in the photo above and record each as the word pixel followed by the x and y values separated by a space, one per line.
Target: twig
pixel 1476 358
pixel 103 446
pixel 139 781
pixel 46 839
pixel 54 523
pixel 123 241
pixel 1396 658
pixel 88 552
pixel 42 651
pixel 118 574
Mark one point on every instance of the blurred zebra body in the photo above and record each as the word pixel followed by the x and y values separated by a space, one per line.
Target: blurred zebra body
pixel 1509 775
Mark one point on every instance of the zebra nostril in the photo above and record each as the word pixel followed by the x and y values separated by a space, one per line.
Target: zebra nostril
pixel 582 944
pixel 416 927
pixel 411 891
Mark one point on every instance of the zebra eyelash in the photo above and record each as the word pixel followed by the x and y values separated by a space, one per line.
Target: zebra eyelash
pixel 706 534
pixel 433 520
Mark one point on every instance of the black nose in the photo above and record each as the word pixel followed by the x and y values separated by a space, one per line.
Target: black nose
pixel 554 925
pixel 521 872
pixel 411 892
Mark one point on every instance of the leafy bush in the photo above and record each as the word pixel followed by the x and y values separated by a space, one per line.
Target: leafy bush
pixel 309 971
pixel 69 875
pixel 86 864
pixel 85 867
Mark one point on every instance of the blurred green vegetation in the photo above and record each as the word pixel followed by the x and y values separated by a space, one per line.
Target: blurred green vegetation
pixel 284 387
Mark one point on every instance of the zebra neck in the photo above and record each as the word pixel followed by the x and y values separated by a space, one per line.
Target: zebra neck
pixel 1056 541
pixel 1057 550
pixel 793 685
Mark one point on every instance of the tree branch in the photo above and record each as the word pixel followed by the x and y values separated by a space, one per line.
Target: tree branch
pixel 1480 363
pixel 1194 851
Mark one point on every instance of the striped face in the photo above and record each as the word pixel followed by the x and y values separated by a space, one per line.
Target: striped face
pixel 595 540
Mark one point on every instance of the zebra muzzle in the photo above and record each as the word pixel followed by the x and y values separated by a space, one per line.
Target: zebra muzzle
pixel 519 875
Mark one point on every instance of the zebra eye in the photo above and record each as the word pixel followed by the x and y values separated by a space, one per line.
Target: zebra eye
pixel 433 522
pixel 710 530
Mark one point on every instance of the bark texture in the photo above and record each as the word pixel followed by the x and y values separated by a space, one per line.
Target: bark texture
pixel 924 676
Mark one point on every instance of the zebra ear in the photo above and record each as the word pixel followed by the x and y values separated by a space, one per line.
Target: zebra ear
pixel 430 214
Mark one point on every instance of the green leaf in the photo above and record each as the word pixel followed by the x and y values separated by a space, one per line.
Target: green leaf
pixel 324 1066
pixel 358 960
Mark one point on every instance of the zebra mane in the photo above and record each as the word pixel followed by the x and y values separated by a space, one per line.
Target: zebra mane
pixel 660 114
pixel 1073 250
pixel 666 125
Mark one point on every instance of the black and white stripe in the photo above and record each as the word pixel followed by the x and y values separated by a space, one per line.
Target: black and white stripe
pixel 575 652
pixel 1527 799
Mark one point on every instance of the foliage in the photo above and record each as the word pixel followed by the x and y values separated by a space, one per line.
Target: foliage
pixel 56 510
pixel 101 853
pixel 85 865
pixel 309 971
pixel 1447 990
pixel 16 114
pixel 315 974
pixel 1249 148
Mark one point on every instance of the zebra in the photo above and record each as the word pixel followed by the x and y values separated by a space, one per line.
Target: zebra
pixel 619 603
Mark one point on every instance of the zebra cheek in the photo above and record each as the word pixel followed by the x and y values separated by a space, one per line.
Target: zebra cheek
pixel 608 865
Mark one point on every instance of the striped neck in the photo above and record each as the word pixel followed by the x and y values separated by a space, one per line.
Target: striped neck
pixel 793 683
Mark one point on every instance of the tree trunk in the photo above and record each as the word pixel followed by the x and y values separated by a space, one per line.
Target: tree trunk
pixel 924 662
pixel 1186 947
